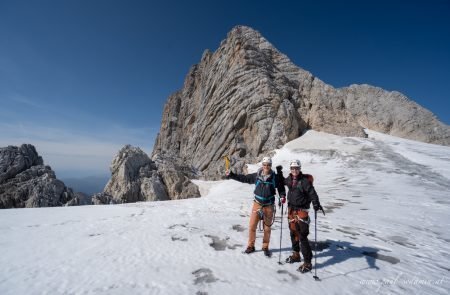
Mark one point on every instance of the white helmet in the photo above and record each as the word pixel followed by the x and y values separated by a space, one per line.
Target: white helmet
pixel 267 160
pixel 295 163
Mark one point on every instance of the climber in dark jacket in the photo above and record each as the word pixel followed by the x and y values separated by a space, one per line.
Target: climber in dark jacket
pixel 263 203
pixel 300 195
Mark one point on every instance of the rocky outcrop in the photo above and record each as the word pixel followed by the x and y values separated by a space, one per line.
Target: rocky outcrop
pixel 247 99
pixel 26 182
pixel 135 177
pixel 14 160
pixel 104 198
pixel 176 178
pixel 80 199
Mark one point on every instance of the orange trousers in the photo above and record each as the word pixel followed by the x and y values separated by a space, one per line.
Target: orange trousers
pixel 299 228
pixel 254 219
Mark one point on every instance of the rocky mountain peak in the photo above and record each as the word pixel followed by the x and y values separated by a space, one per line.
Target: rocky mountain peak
pixel 247 99
pixel 128 161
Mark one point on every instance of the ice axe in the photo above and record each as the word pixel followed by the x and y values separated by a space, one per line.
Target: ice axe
pixel 227 162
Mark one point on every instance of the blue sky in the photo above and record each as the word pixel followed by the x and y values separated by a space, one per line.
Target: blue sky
pixel 79 79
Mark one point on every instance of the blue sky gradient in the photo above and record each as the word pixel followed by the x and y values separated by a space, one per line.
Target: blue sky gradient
pixel 79 79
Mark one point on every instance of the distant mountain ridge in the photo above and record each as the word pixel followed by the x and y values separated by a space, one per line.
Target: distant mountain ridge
pixel 88 185
pixel 247 99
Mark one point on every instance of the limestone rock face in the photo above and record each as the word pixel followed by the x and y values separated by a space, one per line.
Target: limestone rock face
pixel 176 178
pixel 79 200
pixel 135 177
pixel 14 160
pixel 26 182
pixel 247 99
pixel 103 198
pixel 393 113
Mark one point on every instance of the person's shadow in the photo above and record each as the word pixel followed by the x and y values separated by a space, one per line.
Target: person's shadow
pixel 340 251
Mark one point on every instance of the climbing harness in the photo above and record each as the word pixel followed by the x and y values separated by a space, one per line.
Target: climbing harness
pixel 297 218
pixel 260 213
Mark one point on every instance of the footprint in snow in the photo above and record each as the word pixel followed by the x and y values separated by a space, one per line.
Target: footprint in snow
pixel 185 225
pixel 178 238
pixel 293 277
pixel 204 276
pixel 221 244
pixel 238 227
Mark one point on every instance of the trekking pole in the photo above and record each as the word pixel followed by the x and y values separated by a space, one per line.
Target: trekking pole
pixel 315 247
pixel 281 233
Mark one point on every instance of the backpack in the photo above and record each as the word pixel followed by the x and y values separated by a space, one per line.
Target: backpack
pixel 310 179
pixel 258 181
pixel 265 200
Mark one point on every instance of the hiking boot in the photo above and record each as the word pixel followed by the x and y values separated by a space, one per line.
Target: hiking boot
pixel 305 267
pixel 267 252
pixel 249 250
pixel 295 257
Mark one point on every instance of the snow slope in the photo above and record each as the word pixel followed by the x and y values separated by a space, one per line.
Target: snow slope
pixel 386 231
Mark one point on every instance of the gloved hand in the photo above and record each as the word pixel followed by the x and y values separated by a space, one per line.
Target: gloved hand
pixel 318 207
pixel 279 169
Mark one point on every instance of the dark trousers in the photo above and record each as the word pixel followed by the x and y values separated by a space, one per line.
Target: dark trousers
pixel 299 228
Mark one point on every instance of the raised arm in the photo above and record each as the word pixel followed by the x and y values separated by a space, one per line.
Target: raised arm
pixel 249 178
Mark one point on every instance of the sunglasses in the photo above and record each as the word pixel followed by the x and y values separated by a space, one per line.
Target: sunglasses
pixel 267 165
pixel 295 168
